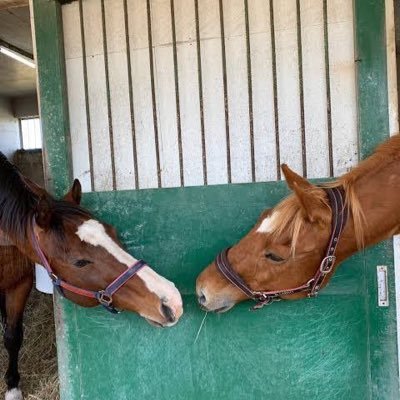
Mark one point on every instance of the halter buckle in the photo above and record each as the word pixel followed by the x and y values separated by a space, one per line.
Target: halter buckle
pixel 328 261
pixel 104 298
pixel 54 277
pixel 310 282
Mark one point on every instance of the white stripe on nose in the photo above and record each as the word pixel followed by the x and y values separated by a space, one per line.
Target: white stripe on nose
pixel 94 233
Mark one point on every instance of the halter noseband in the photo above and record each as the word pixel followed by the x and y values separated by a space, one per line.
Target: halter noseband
pixel 263 298
pixel 104 297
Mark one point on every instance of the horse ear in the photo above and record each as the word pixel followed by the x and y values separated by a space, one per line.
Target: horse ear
pixel 75 194
pixel 311 197
pixel 294 179
pixel 44 212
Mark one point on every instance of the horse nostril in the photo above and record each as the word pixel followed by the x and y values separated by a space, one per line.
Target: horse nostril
pixel 202 299
pixel 168 313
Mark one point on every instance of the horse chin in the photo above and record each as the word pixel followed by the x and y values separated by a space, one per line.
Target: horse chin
pixel 219 310
pixel 154 323
pixel 224 309
pixel 160 325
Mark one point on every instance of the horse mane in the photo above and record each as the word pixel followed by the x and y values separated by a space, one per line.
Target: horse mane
pixel 18 205
pixel 291 216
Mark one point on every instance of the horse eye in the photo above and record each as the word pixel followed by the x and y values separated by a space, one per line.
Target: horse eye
pixel 81 263
pixel 274 257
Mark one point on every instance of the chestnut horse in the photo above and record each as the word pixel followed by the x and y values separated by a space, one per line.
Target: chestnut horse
pixel 283 254
pixel 82 253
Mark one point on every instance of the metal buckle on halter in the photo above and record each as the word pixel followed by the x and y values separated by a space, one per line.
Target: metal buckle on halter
pixel 54 278
pixel 327 261
pixel 263 300
pixel 312 293
pixel 104 298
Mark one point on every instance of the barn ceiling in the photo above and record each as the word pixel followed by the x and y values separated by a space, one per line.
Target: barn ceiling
pixel 16 79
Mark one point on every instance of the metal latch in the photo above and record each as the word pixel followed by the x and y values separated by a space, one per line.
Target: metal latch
pixel 383 290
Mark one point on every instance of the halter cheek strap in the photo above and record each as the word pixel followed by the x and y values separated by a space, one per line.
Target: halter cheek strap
pixel 104 297
pixel 263 298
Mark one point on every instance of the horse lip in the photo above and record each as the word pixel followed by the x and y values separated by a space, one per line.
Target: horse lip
pixel 154 323
pixel 159 325
pixel 223 309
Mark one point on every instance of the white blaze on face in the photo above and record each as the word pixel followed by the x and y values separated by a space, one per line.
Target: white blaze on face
pixel 268 224
pixel 93 232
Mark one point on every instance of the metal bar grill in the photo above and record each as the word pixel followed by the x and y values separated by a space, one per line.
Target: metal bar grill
pixel 275 89
pixel 328 87
pixel 86 94
pixel 250 90
pixel 153 93
pixel 210 139
pixel 301 89
pixel 130 91
pixel 107 79
pixel 225 83
pixel 177 102
pixel 200 83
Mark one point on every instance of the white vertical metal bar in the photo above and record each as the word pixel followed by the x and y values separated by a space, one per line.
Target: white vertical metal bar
pixel 315 102
pixel 76 95
pixel 288 83
pixel 165 93
pixel 214 112
pixel 142 95
pixel 119 95
pixel 236 70
pixel 263 91
pixel 97 94
pixel 188 92
pixel 343 85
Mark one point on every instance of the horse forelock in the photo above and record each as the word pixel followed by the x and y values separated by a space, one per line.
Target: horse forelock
pixel 288 217
pixel 289 220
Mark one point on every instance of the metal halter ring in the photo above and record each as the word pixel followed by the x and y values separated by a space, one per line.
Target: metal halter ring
pixel 104 298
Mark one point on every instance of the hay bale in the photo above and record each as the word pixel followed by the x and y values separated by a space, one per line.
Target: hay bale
pixel 38 358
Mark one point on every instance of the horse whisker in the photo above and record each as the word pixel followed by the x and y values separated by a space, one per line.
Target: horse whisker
pixel 200 328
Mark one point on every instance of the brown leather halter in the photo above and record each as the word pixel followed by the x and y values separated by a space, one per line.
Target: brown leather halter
pixel 104 297
pixel 312 286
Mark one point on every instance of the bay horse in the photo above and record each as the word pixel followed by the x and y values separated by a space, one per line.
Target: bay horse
pixel 82 255
pixel 295 247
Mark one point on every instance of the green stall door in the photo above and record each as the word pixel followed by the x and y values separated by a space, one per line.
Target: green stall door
pixel 337 346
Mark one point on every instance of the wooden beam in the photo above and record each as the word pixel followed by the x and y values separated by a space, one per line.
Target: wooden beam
pixel 4 4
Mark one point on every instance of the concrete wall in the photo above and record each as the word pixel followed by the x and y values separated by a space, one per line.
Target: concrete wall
pixel 30 163
pixel 9 129
pixel 25 107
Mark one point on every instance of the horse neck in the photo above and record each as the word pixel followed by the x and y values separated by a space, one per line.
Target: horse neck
pixel 379 195
pixel 27 249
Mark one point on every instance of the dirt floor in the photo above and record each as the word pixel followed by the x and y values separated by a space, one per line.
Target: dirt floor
pixel 38 360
